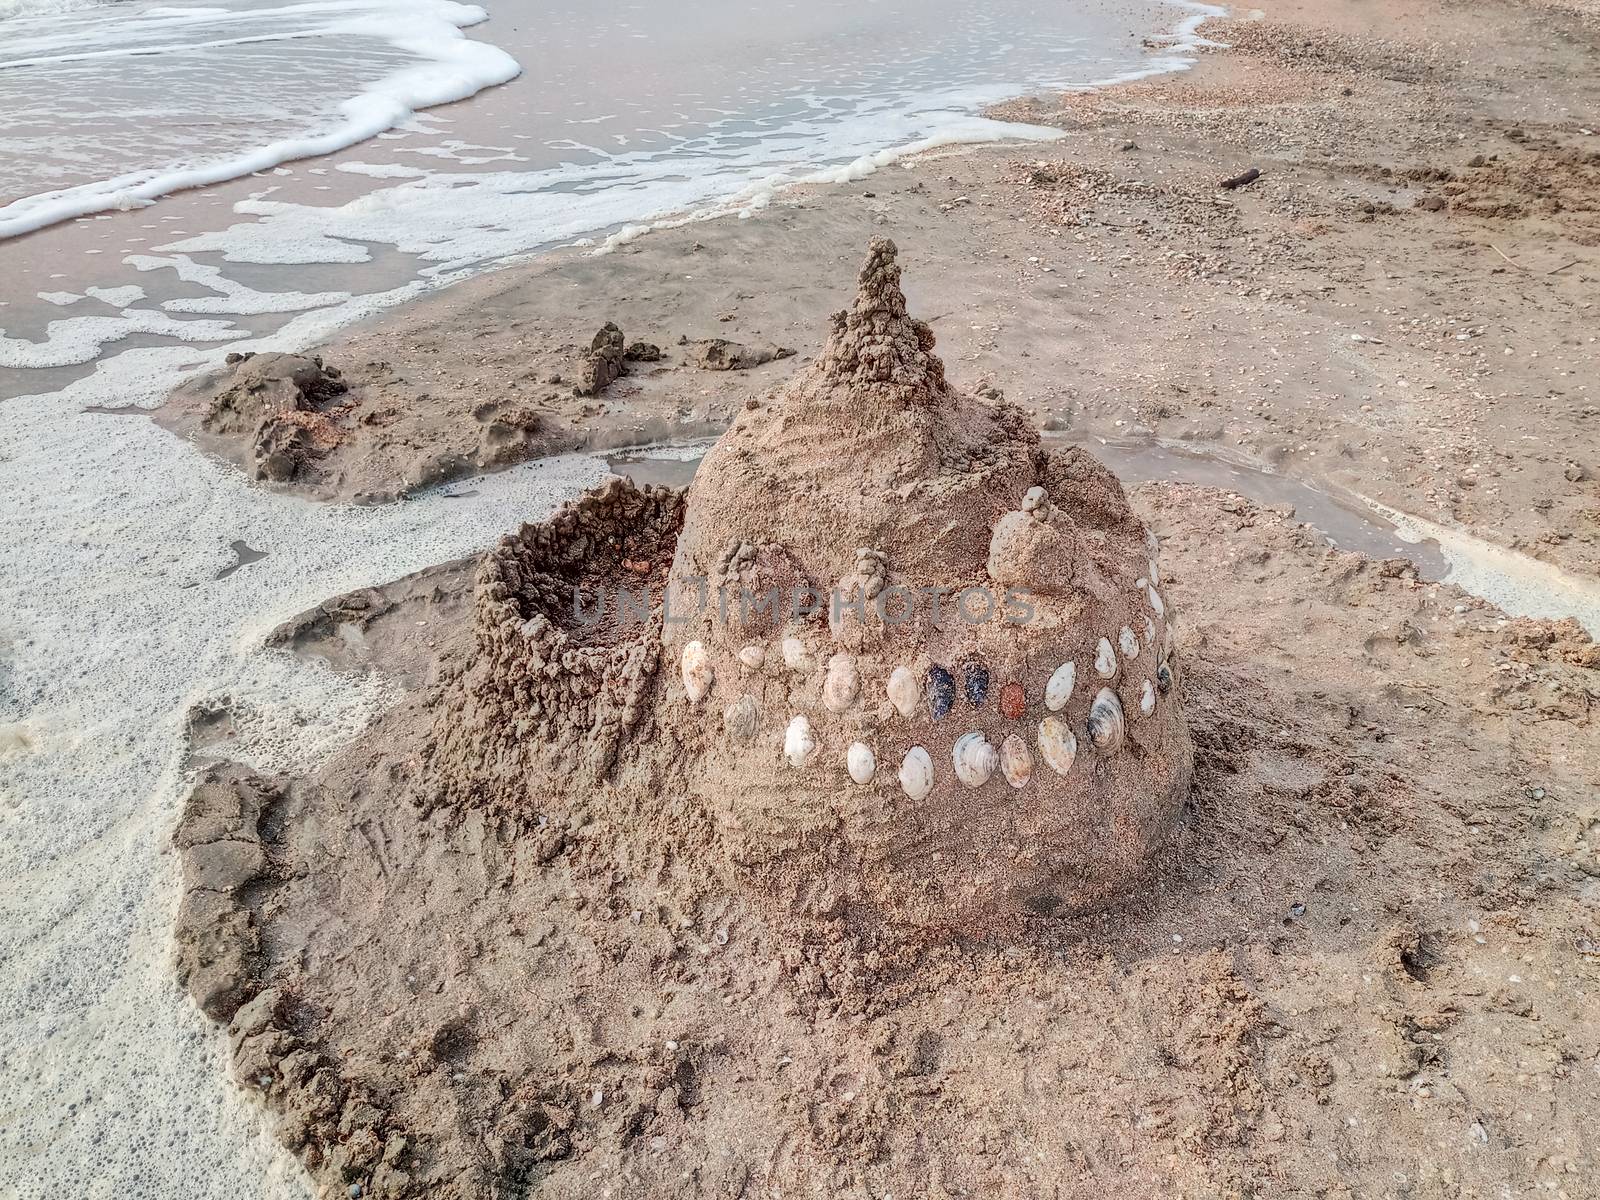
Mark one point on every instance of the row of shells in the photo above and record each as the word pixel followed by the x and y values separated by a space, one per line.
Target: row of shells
pixel 841 687
pixel 974 758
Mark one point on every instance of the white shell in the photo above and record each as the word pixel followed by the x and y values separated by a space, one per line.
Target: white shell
pixel 740 719
pixel 1155 601
pixel 1059 690
pixel 753 656
pixel 904 691
pixel 799 742
pixel 1057 744
pixel 1128 642
pixel 795 655
pixel 861 762
pixel 916 773
pixel 1155 571
pixel 1016 761
pixel 975 759
pixel 1149 630
pixel 1147 698
pixel 1105 659
pixel 843 684
pixel 1106 725
pixel 697 672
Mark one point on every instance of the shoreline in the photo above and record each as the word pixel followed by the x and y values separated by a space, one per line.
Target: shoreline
pixel 320 323
pixel 1296 250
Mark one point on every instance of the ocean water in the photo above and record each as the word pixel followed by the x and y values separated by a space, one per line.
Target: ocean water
pixel 441 144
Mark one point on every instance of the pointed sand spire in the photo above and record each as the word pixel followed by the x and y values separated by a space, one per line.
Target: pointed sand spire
pixel 876 347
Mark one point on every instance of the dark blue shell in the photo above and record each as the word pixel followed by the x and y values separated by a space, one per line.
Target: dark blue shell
pixel 941 691
pixel 976 677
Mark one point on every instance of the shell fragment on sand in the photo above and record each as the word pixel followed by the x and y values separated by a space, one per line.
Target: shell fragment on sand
pixel 842 685
pixel 1016 761
pixel 916 773
pixel 1107 727
pixel 861 762
pixel 975 680
pixel 1059 690
pixel 941 691
pixel 697 672
pixel 975 759
pixel 799 742
pixel 740 719
pixel 1057 744
pixel 1105 659
pixel 905 693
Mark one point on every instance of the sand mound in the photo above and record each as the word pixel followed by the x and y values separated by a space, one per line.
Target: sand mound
pixel 934 686
pixel 922 672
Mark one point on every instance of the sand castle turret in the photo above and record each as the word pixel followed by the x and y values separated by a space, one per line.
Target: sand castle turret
pixel 918 667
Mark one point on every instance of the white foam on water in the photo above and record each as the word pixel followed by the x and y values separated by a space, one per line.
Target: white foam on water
pixel 120 297
pixel 74 340
pixel 451 67
pixel 232 296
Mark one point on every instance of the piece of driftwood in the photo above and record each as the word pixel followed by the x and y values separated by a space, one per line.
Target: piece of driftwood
pixel 1507 257
pixel 1239 181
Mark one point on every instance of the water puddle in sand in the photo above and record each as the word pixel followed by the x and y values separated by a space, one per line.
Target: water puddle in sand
pixel 1520 585
pixel 243 556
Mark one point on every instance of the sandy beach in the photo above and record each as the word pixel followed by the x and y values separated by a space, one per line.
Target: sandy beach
pixel 524 931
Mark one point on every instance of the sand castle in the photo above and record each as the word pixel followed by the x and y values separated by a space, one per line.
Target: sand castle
pixel 918 667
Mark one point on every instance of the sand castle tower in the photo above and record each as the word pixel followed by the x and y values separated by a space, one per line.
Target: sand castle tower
pixel 918 667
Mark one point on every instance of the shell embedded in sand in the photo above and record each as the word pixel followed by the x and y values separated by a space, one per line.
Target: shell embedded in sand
pixel 740 719
pixel 697 672
pixel 1128 642
pixel 905 693
pixel 795 655
pixel 1164 677
pixel 1147 698
pixel 1059 690
pixel 753 656
pixel 1155 601
pixel 975 681
pixel 861 762
pixel 799 742
pixel 842 685
pixel 1107 726
pixel 1058 744
pixel 1105 659
pixel 1013 701
pixel 941 691
pixel 1016 761
pixel 975 759
pixel 1036 499
pixel 1155 571
pixel 916 773
pixel 1149 629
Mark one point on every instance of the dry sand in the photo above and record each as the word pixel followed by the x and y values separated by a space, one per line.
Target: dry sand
pixel 1367 963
